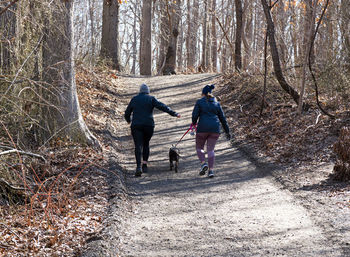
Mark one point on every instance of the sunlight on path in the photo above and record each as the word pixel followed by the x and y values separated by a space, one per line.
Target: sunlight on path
pixel 240 212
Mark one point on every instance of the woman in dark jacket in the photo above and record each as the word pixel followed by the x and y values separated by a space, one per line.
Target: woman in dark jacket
pixel 210 115
pixel 142 124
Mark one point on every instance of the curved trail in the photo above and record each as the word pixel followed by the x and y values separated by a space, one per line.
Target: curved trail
pixel 240 212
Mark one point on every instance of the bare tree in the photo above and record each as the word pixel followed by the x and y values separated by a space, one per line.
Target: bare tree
pixel 58 62
pixel 134 43
pixel 8 26
pixel 172 21
pixel 239 29
pixel 274 53
pixel 204 63
pixel 192 29
pixel 110 30
pixel 308 25
pixel 145 42
pixel 214 46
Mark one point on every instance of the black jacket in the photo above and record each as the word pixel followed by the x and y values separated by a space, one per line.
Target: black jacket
pixel 141 107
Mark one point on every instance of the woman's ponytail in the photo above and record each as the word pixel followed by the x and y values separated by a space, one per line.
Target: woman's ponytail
pixel 208 90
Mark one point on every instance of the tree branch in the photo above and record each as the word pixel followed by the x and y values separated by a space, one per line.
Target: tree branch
pixel 225 34
pixel 22 152
pixel 273 5
pixel 8 185
pixel 7 7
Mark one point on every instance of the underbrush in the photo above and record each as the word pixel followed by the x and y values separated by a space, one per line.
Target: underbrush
pixel 280 133
pixel 54 197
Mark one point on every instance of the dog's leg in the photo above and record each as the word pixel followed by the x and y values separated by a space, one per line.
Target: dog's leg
pixel 176 165
pixel 171 165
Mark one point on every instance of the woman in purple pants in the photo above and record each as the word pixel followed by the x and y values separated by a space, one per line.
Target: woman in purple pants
pixel 210 115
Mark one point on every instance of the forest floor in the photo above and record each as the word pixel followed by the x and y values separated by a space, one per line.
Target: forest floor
pixel 272 194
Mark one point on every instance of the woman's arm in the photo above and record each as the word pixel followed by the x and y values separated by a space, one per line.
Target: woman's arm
pixel 160 106
pixel 128 112
pixel 223 121
pixel 195 113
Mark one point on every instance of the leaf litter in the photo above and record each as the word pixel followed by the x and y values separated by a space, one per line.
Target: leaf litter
pixel 71 192
pixel 301 144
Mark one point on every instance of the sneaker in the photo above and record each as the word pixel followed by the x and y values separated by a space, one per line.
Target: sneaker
pixel 204 168
pixel 138 172
pixel 144 168
pixel 211 174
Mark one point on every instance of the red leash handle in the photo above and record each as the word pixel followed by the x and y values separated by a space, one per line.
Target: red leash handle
pixel 191 127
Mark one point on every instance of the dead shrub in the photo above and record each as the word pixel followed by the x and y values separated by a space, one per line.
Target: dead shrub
pixel 341 170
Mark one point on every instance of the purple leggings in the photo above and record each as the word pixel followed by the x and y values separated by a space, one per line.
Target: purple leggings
pixel 211 139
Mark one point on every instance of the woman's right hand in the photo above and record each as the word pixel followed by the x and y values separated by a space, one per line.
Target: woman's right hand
pixel 178 115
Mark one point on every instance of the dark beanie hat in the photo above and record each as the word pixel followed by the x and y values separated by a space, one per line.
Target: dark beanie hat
pixel 207 89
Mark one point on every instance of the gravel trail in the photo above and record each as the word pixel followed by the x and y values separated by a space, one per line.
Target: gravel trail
pixel 242 211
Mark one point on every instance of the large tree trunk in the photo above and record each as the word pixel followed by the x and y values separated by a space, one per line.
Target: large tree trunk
pixel 145 41
pixel 64 117
pixel 238 41
pixel 274 53
pixel 110 30
pixel 173 12
pixel 192 30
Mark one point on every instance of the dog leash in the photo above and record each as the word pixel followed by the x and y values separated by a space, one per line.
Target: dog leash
pixel 192 127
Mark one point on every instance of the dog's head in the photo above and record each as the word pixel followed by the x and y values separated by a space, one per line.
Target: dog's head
pixel 174 151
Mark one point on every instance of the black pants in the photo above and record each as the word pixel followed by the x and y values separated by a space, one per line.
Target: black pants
pixel 141 135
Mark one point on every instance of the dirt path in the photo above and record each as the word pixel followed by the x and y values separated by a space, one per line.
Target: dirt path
pixel 240 212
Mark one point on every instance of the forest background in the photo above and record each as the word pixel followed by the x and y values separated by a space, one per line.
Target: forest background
pixel 285 80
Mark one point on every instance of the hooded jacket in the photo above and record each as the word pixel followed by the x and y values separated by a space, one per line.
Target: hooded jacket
pixel 210 115
pixel 141 107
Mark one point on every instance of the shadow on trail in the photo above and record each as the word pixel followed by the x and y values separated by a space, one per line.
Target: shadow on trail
pixel 191 83
pixel 171 86
pixel 231 169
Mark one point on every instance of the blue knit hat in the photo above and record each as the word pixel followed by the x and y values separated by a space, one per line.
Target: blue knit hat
pixel 144 89
pixel 207 89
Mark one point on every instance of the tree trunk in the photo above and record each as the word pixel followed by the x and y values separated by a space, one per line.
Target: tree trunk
pixel 345 31
pixel 238 41
pixel 204 64
pixel 110 30
pixel 8 26
pixel 214 45
pixel 180 48
pixel 64 118
pixel 145 41
pixel 92 28
pixel 192 31
pixel 274 53
pixel 164 35
pixel 174 18
pixel 134 43
pixel 308 24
